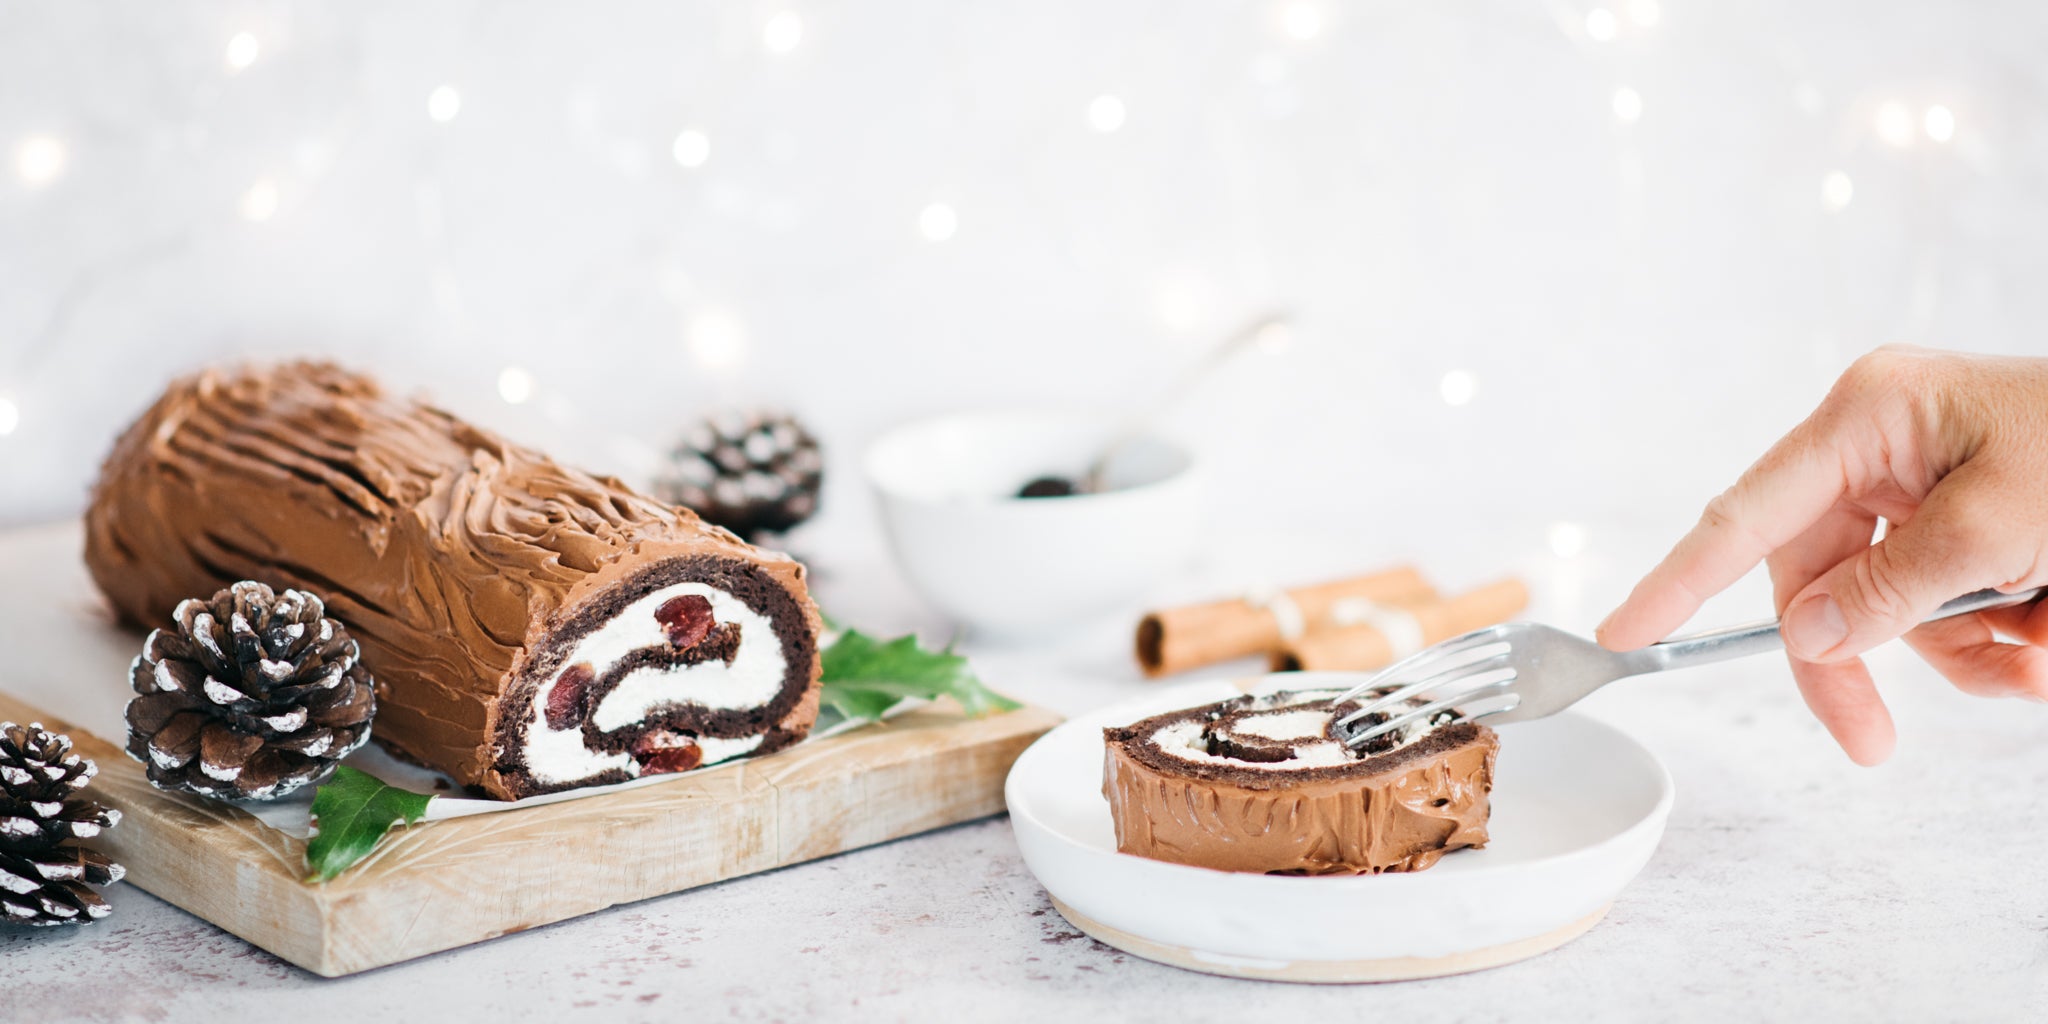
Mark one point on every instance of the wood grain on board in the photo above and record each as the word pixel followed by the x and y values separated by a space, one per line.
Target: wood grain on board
pixel 443 884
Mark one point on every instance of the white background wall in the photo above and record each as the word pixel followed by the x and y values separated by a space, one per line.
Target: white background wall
pixel 1650 233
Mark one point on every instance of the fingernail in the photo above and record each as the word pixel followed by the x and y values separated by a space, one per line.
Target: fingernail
pixel 1814 627
pixel 1601 629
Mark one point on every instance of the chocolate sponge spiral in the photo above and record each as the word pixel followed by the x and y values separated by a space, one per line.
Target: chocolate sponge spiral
pixel 531 627
pixel 1266 783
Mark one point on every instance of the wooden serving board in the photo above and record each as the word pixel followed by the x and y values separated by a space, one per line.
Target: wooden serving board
pixel 442 884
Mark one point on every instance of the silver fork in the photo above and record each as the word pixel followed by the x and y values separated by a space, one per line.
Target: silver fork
pixel 1517 671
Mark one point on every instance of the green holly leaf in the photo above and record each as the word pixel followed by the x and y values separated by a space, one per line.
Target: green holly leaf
pixel 863 677
pixel 353 810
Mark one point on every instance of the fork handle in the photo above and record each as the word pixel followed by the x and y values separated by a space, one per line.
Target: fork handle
pixel 1758 637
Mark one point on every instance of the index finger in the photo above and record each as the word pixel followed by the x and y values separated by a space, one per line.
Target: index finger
pixel 1795 483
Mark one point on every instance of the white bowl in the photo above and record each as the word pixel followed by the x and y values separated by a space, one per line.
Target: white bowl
pixel 1578 807
pixel 1014 565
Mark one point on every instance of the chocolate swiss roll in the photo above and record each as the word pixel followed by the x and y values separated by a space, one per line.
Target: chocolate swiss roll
pixel 531 628
pixel 1263 784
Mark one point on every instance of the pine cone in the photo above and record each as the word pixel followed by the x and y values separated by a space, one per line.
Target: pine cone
pixel 752 474
pixel 45 876
pixel 254 695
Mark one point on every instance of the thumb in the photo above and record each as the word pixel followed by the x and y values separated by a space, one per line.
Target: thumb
pixel 1888 588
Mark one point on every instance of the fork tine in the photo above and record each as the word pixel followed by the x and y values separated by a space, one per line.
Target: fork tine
pixel 1463 686
pixel 1419 714
pixel 1456 673
pixel 1445 650
pixel 1448 648
pixel 1387 700
pixel 1497 704
pixel 1431 708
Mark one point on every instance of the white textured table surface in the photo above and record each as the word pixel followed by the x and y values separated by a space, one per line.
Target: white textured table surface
pixel 1615 248
pixel 1791 885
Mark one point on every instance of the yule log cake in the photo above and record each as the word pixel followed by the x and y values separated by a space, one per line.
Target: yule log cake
pixel 531 628
pixel 1263 784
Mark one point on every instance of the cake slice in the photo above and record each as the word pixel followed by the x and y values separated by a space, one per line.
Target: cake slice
pixel 1263 784
pixel 531 628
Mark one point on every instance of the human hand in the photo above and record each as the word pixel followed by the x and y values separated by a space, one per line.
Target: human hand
pixel 1952 451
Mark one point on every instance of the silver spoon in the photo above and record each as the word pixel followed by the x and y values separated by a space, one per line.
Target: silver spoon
pixel 1092 480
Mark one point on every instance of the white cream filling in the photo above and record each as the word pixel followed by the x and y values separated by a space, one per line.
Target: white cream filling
pixel 1287 725
pixel 1185 740
pixel 754 678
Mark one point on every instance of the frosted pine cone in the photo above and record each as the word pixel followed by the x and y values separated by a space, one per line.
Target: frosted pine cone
pixel 753 474
pixel 46 877
pixel 254 695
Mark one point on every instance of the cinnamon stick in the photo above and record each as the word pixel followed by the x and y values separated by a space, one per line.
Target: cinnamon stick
pixel 1366 645
pixel 1179 639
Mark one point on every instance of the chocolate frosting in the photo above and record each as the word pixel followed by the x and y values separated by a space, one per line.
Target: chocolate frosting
pixel 1246 808
pixel 458 559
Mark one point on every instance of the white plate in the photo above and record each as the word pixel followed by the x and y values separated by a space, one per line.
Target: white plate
pixel 1578 808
